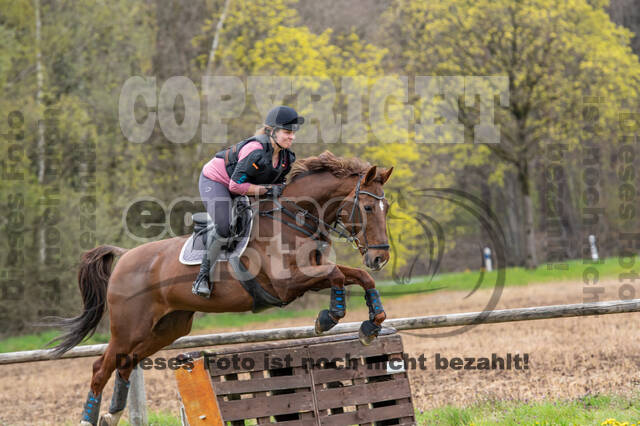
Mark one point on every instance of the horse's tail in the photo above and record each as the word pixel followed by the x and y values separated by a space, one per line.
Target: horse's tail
pixel 93 278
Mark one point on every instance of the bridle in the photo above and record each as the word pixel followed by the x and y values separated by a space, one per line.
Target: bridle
pixel 338 227
pixel 364 248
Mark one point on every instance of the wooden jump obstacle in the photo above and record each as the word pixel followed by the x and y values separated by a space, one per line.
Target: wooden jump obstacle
pixel 434 321
pixel 332 380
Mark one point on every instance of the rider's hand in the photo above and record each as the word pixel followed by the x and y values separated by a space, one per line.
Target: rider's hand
pixel 274 191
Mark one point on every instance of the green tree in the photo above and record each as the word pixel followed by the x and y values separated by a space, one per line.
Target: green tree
pixel 265 38
pixel 554 54
pixel 61 66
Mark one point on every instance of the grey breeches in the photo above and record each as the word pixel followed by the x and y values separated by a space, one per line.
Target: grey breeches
pixel 217 200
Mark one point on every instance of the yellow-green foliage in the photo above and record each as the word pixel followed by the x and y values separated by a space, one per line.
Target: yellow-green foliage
pixel 87 52
pixel 265 38
pixel 555 55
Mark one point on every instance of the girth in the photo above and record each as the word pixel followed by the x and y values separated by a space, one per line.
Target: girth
pixel 261 298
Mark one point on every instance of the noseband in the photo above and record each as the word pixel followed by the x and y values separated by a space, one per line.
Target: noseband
pixel 339 228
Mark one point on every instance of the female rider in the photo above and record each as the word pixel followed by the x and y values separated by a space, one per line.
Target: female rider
pixel 256 166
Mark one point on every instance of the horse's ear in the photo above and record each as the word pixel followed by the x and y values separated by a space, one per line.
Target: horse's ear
pixel 386 175
pixel 371 175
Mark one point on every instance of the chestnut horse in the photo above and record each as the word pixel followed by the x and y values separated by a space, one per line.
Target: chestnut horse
pixel 149 290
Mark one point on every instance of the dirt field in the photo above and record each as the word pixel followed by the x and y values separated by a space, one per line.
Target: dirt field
pixel 568 358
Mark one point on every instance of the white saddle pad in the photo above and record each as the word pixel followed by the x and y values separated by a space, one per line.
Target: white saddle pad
pixel 191 254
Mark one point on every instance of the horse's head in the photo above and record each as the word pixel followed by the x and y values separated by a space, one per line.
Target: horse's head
pixel 364 214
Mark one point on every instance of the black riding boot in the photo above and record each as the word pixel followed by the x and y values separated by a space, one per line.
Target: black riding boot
pixel 201 284
pixel 215 242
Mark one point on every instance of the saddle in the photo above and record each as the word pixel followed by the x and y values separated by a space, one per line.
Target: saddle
pixel 241 223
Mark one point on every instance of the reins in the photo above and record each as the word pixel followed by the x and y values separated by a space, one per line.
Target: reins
pixel 338 227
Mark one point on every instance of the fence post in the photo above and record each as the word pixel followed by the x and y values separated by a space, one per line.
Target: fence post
pixel 594 248
pixel 486 256
pixel 137 399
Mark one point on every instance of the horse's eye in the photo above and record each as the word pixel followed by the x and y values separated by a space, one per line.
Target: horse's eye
pixel 368 208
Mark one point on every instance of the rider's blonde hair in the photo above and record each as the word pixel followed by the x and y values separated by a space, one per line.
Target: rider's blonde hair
pixel 262 130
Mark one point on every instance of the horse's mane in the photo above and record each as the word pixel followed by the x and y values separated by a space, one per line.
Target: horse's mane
pixel 327 162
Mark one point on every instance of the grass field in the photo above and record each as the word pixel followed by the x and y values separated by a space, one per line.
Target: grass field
pixel 591 410
pixel 448 281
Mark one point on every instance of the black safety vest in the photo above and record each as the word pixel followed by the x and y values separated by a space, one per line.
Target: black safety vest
pixel 260 171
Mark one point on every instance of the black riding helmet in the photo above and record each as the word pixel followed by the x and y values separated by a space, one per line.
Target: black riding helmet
pixel 284 117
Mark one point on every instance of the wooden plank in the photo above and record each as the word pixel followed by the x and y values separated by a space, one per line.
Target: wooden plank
pixel 255 376
pixel 371 415
pixel 362 394
pixel 254 361
pixel 220 398
pixel 362 407
pixel 261 384
pixel 266 406
pixel 305 422
pixel 231 397
pixel 303 372
pixel 336 374
pixel 287 372
pixel 408 419
pixel 282 344
pixel 198 396
pixel 345 350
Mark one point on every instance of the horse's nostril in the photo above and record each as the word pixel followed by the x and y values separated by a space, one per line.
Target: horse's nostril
pixel 377 260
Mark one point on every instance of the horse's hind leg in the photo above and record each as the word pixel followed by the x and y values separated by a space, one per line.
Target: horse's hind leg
pixel 102 369
pixel 169 328
pixel 118 352
pixel 118 402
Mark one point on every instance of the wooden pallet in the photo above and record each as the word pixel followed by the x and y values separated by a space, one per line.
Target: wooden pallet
pixel 299 382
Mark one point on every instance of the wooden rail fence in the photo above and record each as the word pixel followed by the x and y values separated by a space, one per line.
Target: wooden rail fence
pixel 414 323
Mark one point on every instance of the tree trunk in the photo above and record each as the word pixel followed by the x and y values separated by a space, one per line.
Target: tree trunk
pixel 41 125
pixel 216 38
pixel 568 213
pixel 530 258
pixel 513 231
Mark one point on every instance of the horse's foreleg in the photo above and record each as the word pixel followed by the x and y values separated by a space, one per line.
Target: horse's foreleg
pixel 369 329
pixel 328 318
pixel 317 278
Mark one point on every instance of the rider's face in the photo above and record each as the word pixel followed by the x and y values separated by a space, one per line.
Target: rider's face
pixel 285 137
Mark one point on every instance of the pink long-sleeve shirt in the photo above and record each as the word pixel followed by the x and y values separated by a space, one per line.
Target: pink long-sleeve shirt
pixel 216 171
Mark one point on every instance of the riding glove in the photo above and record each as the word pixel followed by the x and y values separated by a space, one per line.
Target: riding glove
pixel 274 191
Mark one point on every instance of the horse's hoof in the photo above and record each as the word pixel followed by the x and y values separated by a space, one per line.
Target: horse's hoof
pixel 364 339
pixel 368 332
pixel 109 419
pixel 324 322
